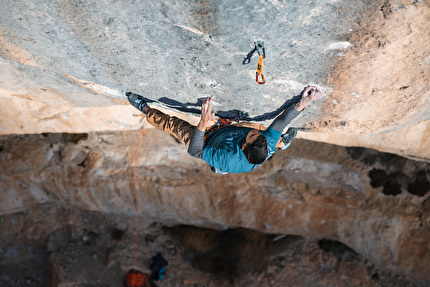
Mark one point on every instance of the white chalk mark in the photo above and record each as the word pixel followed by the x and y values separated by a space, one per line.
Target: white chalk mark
pixel 191 29
pixel 339 46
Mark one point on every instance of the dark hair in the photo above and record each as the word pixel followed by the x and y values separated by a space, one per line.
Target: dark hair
pixel 256 152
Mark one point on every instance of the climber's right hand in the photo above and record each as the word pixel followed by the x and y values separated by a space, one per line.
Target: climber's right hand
pixel 310 94
pixel 207 114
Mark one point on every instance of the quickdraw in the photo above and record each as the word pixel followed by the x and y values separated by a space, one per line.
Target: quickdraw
pixel 259 46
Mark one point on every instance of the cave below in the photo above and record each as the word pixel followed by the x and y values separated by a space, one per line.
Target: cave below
pixel 315 214
pixel 347 204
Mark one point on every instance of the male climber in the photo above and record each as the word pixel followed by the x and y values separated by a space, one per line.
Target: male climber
pixel 233 148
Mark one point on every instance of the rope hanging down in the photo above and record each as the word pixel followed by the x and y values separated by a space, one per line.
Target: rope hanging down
pixel 259 46
pixel 135 194
pixel 136 278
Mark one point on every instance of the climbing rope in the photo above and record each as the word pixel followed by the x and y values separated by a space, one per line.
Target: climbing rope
pixel 135 193
pixel 135 278
pixel 259 46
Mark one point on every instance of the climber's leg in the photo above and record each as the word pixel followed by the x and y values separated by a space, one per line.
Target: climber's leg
pixel 180 129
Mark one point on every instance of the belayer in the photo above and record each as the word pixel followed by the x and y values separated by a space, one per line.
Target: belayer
pixel 231 148
pixel 135 278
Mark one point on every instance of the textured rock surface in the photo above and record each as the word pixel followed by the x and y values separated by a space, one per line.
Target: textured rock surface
pixel 65 66
pixel 359 217
pixel 382 84
pixel 377 204
pixel 180 50
pixel 93 249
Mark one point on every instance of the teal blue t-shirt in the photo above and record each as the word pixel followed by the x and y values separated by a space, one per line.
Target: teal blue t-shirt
pixel 222 148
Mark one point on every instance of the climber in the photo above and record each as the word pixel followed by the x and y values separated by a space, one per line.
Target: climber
pixel 233 148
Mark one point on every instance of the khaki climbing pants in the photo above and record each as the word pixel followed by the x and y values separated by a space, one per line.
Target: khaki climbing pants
pixel 180 129
pixel 183 130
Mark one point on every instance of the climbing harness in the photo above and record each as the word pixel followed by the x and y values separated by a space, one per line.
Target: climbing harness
pixel 221 123
pixel 259 46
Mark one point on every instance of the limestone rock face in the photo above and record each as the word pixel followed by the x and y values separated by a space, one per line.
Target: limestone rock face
pixel 92 248
pixel 64 67
pixel 67 136
pixel 377 204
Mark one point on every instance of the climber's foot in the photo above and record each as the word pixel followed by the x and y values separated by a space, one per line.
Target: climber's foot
pixel 288 137
pixel 138 102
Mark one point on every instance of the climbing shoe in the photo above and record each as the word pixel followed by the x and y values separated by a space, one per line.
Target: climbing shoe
pixel 288 137
pixel 136 100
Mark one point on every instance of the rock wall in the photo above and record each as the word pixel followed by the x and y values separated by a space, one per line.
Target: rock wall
pixel 375 203
pixel 56 245
pixel 68 133
pixel 65 66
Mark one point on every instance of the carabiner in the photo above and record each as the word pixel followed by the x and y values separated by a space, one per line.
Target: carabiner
pixel 259 46
pixel 260 71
